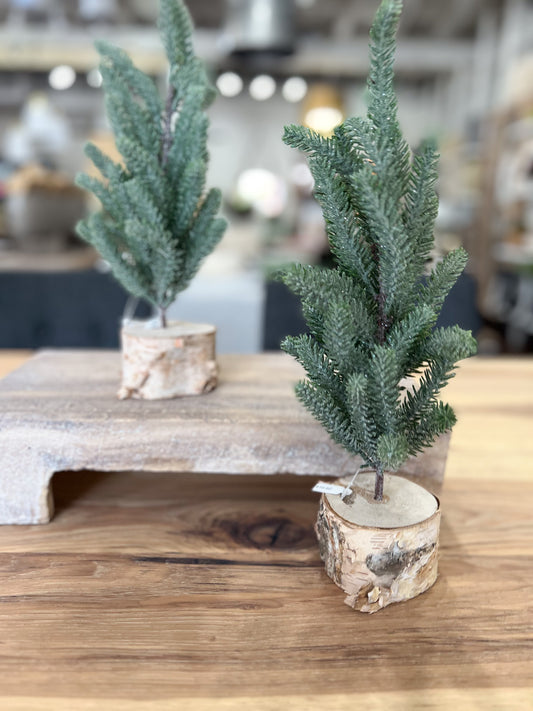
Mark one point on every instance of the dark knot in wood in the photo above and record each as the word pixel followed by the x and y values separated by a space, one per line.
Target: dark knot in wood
pixel 270 532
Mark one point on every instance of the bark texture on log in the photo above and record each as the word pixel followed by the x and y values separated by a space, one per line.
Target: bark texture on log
pixel 376 566
pixel 163 363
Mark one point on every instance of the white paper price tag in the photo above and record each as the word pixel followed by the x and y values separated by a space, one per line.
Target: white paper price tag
pixel 322 487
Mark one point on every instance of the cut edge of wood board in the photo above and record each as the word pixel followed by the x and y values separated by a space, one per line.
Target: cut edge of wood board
pixel 175 329
pixel 492 699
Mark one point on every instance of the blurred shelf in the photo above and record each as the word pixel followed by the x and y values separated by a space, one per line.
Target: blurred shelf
pixel 28 48
pixel 514 255
pixel 71 259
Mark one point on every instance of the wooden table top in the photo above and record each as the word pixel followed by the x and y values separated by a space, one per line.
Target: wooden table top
pixel 165 591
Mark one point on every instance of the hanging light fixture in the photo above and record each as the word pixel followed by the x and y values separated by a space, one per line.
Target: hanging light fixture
pixel 255 27
pixel 97 10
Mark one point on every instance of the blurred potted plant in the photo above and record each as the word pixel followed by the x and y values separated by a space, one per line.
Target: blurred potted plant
pixel 371 322
pixel 157 221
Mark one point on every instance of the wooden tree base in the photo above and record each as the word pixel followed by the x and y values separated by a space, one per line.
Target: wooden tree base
pixel 380 553
pixel 163 363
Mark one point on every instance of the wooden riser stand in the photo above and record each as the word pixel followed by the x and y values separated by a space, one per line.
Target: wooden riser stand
pixel 59 412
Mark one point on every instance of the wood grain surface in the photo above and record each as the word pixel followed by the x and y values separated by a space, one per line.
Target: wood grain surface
pixel 173 591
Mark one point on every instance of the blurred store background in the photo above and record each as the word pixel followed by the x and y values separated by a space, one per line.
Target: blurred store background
pixel 464 74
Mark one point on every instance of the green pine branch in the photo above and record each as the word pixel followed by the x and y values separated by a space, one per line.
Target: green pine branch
pixel 362 423
pixel 347 242
pixel 327 411
pixel 116 68
pixel 157 222
pixel 344 344
pixel 314 145
pixel 442 278
pixel 407 336
pixel 319 367
pixel 422 204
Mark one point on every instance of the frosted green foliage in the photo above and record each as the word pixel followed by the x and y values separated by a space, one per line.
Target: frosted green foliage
pixel 157 222
pixel 372 318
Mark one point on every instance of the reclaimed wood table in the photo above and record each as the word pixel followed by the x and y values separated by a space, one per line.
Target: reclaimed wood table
pixel 177 591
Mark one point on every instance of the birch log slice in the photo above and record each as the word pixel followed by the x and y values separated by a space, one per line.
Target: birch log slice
pixel 163 363
pixel 380 552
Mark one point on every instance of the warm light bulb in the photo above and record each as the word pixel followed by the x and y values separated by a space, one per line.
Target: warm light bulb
pixel 323 119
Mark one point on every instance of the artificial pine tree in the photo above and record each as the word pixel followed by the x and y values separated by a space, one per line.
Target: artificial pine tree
pixel 157 222
pixel 372 318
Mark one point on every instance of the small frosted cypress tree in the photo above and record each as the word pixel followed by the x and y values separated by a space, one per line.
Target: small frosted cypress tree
pixel 157 222
pixel 372 318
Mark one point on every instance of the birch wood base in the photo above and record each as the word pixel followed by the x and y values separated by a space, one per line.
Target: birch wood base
pixel 163 363
pixel 376 566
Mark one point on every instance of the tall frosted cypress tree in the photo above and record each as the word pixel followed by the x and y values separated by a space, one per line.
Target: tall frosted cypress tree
pixel 372 318
pixel 157 222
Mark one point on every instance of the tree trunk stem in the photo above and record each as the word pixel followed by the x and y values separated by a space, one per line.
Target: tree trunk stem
pixel 378 491
pixel 163 323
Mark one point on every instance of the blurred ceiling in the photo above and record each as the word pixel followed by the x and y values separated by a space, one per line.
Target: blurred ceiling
pixel 329 18
pixel 421 18
pixel 329 37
